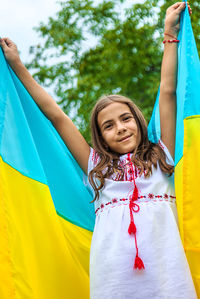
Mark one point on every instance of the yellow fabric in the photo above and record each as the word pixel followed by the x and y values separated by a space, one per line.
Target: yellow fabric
pixel 179 194
pixel 38 247
pixel 187 182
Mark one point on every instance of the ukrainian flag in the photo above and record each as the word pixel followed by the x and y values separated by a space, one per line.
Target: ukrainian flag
pixel 187 151
pixel 46 221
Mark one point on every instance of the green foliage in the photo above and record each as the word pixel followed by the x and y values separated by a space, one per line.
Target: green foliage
pixel 94 49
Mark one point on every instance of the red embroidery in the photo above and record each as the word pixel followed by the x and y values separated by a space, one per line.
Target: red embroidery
pixel 129 169
pixel 159 142
pixel 95 157
pixel 97 210
pixel 123 199
pixel 136 172
pixel 130 172
pixel 114 201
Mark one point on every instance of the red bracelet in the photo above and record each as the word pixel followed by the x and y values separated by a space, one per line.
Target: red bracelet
pixel 171 41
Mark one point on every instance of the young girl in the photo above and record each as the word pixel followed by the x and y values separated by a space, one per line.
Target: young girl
pixel 136 250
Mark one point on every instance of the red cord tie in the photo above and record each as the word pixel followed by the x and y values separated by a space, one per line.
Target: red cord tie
pixel 133 207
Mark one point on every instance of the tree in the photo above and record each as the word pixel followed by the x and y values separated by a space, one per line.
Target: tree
pixel 123 54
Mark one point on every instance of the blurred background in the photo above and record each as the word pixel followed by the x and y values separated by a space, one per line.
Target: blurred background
pixel 81 50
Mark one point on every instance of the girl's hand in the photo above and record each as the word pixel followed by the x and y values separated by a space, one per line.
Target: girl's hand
pixel 172 20
pixel 10 51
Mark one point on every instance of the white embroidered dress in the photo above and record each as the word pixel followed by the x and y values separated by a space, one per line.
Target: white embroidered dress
pixel 113 249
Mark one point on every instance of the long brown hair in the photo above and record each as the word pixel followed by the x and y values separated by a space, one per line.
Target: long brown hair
pixel 144 155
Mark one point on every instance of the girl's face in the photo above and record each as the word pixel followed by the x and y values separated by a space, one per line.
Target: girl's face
pixel 118 128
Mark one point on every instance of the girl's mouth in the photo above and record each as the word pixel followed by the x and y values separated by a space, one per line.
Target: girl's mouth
pixel 125 138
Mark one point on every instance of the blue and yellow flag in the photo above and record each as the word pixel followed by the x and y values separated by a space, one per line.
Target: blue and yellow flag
pixel 46 220
pixel 187 151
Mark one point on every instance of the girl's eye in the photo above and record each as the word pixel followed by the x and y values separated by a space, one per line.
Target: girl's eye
pixel 108 127
pixel 126 118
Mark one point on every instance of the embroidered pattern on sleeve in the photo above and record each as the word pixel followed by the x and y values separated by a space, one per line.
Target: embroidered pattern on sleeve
pixel 95 158
pixel 161 145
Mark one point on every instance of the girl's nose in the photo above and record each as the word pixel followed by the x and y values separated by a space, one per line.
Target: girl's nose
pixel 120 127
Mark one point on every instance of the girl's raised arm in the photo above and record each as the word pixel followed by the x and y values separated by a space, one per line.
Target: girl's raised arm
pixel 62 123
pixel 167 102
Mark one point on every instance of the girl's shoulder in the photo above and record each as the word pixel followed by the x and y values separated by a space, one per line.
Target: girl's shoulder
pixel 93 160
pixel 169 158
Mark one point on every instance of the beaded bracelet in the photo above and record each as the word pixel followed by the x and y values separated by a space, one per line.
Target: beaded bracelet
pixel 171 41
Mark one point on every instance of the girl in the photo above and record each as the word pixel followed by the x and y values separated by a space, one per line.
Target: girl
pixel 136 250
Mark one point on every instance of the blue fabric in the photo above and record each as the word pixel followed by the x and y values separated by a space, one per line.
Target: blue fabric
pixel 188 86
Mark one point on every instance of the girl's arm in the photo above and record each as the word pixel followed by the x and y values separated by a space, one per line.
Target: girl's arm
pixel 62 123
pixel 167 101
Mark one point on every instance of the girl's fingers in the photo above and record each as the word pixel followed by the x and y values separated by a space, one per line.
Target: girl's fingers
pixel 190 9
pixel 181 7
pixel 8 41
pixel 3 44
pixel 177 5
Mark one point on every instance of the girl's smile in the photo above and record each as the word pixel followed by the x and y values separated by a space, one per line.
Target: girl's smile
pixel 124 139
pixel 118 128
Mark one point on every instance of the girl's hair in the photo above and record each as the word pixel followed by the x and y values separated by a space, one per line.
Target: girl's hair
pixel 144 155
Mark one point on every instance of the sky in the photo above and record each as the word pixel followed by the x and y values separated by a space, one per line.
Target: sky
pixel 19 17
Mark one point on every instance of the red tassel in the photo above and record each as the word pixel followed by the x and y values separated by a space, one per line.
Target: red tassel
pixel 135 194
pixel 138 263
pixel 132 228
